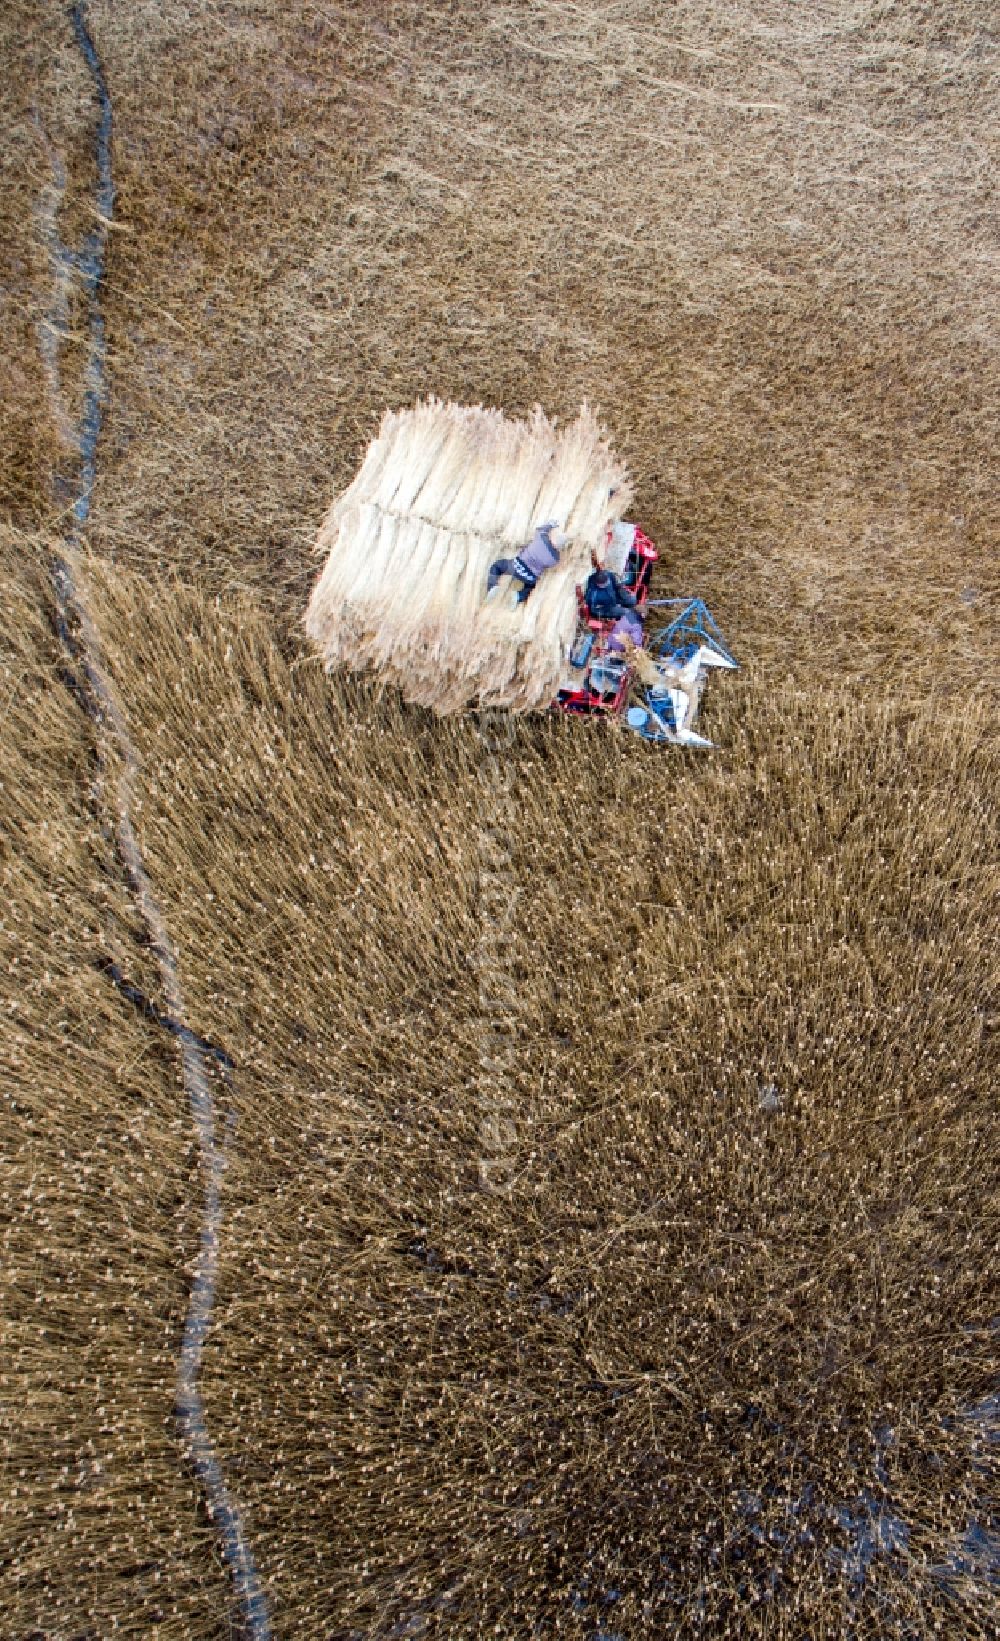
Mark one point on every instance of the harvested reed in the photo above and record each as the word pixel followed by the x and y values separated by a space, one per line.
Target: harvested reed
pixel 442 492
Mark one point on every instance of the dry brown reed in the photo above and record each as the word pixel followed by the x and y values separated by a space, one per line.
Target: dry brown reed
pixel 744 1280
pixel 751 1221
pixel 100 1524
pixel 45 171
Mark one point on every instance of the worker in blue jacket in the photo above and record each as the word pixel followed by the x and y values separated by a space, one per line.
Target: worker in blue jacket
pixel 607 599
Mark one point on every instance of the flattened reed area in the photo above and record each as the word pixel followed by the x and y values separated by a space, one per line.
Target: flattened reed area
pixel 743 1278
pixel 761 239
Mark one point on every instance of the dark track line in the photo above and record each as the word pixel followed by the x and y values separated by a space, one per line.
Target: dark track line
pixel 150 1011
pixel 97 697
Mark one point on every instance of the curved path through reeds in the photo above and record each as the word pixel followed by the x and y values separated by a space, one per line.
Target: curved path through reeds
pixel 81 639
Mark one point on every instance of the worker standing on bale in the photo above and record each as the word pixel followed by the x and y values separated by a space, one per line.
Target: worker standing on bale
pixel 541 553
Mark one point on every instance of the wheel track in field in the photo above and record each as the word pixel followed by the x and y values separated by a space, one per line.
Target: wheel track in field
pixel 79 635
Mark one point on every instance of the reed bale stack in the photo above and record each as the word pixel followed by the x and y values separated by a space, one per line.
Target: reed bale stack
pixel 443 491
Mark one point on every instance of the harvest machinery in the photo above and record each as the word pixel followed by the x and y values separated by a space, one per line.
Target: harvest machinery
pixel 670 668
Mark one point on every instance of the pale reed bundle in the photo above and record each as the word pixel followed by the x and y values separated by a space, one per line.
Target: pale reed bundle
pixel 443 491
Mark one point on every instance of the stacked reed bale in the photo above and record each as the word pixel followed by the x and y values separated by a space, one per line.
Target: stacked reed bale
pixel 443 491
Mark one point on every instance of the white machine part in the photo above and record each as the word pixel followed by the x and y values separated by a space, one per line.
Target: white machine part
pixel 682 687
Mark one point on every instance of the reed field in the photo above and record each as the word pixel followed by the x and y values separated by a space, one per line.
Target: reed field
pixel 604 1136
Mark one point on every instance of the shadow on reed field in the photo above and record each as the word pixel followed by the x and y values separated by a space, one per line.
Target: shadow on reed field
pixel 609 1227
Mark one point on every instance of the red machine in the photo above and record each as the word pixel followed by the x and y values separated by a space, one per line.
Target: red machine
pixel 605 676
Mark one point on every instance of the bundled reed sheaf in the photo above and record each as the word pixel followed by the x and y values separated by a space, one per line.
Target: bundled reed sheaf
pixel 443 491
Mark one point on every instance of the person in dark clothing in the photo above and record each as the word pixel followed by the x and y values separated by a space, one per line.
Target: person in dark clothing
pixel 607 598
pixel 541 553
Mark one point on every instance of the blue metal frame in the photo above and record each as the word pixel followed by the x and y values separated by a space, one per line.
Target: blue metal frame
pixel 691 627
